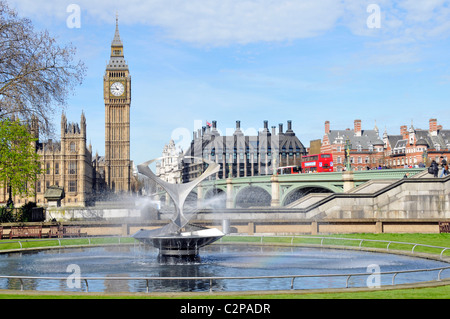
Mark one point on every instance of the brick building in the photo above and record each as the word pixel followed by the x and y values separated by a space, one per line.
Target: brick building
pixel 416 147
pixel 366 147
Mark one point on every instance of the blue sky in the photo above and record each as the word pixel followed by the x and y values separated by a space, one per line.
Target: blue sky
pixel 256 60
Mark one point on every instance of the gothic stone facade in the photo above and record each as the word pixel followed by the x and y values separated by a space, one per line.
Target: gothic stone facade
pixel 117 97
pixel 69 163
pixel 66 163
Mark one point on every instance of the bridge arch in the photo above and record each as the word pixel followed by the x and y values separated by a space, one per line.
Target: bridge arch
pixel 299 192
pixel 252 196
pixel 215 197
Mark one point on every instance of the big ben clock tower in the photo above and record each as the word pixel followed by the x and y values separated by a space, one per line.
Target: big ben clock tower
pixel 117 95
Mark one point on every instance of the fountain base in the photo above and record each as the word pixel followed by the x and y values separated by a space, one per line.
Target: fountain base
pixel 182 246
pixel 181 259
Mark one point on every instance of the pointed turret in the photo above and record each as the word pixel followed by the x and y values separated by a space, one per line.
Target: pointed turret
pixel 117 61
pixel 63 123
pixel 83 124
pixel 116 40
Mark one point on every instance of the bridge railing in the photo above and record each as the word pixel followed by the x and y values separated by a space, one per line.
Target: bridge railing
pixel 397 173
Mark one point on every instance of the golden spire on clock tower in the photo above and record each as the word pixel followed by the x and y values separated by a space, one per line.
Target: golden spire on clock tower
pixel 117 60
pixel 116 41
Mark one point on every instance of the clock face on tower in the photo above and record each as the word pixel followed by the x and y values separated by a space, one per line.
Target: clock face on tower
pixel 117 89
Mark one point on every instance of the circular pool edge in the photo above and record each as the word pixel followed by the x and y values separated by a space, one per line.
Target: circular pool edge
pixel 430 256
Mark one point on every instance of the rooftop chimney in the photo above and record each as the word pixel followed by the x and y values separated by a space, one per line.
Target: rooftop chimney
pixel 357 128
pixel 266 128
pixel 327 127
pixel 238 129
pixel 404 131
pixel 289 128
pixel 433 127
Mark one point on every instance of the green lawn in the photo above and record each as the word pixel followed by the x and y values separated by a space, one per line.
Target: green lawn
pixel 439 240
pixel 35 243
pixel 441 292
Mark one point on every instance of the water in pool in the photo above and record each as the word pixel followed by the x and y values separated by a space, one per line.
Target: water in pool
pixel 216 261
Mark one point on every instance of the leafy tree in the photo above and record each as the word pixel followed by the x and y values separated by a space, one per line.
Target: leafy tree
pixel 19 164
pixel 26 212
pixel 35 72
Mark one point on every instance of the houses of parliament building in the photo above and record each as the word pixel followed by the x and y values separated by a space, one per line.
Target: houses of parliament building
pixel 69 164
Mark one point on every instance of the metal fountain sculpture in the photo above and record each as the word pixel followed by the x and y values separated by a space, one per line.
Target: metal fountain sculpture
pixel 179 240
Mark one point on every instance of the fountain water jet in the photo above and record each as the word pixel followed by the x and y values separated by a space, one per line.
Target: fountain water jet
pixel 179 240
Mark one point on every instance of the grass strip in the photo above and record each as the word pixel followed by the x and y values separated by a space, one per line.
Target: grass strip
pixel 398 241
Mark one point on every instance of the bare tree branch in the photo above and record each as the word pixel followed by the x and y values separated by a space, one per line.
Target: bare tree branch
pixel 36 74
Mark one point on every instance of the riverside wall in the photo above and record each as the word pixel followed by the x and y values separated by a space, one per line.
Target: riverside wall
pixel 251 227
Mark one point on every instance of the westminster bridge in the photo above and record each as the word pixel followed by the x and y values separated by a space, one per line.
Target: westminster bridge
pixel 283 190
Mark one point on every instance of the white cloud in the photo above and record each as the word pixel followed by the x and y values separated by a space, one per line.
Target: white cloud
pixel 214 22
pixel 222 22
pixel 422 11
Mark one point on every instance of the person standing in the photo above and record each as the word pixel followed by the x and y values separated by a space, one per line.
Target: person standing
pixel 434 168
pixel 443 163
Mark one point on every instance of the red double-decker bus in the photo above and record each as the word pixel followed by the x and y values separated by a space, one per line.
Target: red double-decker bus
pixel 317 163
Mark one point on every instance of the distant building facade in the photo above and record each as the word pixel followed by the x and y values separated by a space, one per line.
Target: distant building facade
pixel 169 168
pixel 366 147
pixel 417 147
pixel 411 148
pixel 240 155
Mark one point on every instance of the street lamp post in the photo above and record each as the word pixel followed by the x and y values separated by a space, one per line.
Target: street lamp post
pixel 348 147
pixel 425 157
